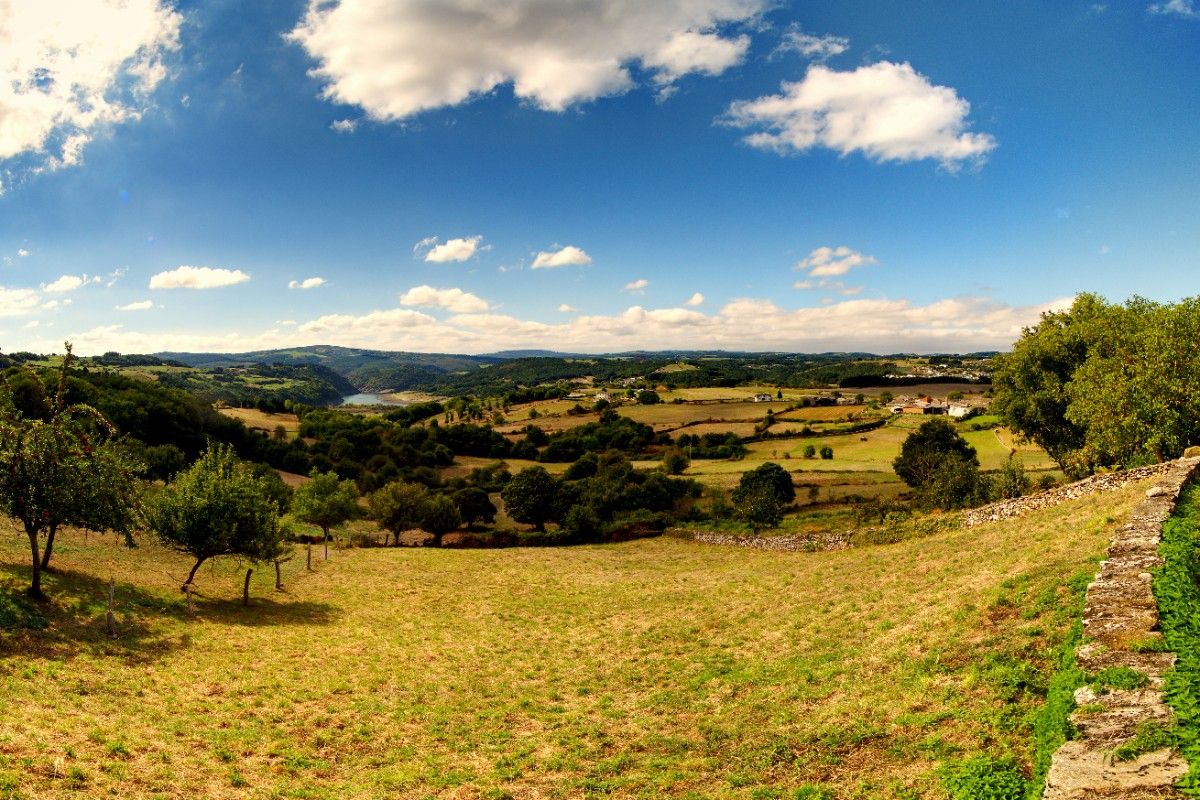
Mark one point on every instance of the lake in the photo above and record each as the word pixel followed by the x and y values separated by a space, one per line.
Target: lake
pixel 371 400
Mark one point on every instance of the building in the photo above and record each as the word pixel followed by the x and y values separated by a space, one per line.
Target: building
pixel 963 412
pixel 762 397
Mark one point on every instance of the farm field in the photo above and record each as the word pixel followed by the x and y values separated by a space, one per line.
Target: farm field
pixel 651 668
pixel 265 421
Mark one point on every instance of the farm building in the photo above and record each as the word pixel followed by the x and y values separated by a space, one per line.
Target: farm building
pixel 762 397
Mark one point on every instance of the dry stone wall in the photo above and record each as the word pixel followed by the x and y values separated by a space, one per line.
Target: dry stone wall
pixel 1107 482
pixel 1120 612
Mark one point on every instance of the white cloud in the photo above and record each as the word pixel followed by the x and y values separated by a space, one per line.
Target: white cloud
pixel 307 283
pixel 1182 8
pixel 344 125
pixel 69 283
pixel 452 250
pixel 695 300
pixel 395 60
pixel 70 68
pixel 637 287
pixel 817 48
pixel 17 302
pixel 567 309
pixel 185 277
pixel 139 305
pixel 825 262
pixel 563 257
pixel 114 276
pixel 888 112
pixel 23 252
pixel 451 299
pixel 959 324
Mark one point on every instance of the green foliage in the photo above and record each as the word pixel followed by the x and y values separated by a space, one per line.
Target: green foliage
pixel 1104 384
pixel 826 452
pixel 810 451
pixel 61 466
pixel 531 497
pixel 1011 481
pixel 217 507
pixel 984 778
pixel 772 476
pixel 758 506
pixel 439 516
pixel 1148 737
pixel 398 506
pixel 1177 590
pixel 611 432
pixel 674 461
pixel 1052 723
pixel 648 397
pixel 325 501
pixel 584 467
pixel 925 449
pixel 474 506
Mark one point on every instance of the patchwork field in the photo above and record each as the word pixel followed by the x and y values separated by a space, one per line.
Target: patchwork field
pixel 651 668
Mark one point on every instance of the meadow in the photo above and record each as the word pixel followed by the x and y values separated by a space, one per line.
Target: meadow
pixel 659 667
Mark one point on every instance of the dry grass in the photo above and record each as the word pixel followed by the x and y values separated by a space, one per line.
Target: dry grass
pixel 265 421
pixel 646 669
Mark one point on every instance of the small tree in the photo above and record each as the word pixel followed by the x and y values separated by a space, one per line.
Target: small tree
pixel 398 507
pixel 439 516
pixel 1012 481
pixel 474 506
pixel 61 467
pixel 827 452
pixel 217 507
pixel 771 475
pixel 648 397
pixel 674 462
pixel 925 448
pixel 531 497
pixel 325 502
pixel 758 505
pixel 810 451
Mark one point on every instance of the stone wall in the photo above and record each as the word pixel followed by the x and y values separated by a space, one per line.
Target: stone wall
pixel 1119 612
pixel 1107 482
pixel 791 544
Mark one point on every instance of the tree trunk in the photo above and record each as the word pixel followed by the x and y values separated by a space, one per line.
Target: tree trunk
pixel 309 557
pixel 191 575
pixel 246 587
pixel 35 585
pixel 49 547
pixel 326 532
pixel 278 577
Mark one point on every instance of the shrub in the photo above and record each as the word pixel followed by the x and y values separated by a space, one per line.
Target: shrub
pixel 827 452
pixel 810 451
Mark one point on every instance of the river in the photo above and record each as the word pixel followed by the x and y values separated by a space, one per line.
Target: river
pixel 371 400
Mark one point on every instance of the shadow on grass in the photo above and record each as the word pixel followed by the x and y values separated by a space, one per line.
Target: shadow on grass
pixel 149 623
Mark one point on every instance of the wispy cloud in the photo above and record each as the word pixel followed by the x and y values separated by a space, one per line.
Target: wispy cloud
pixel 138 305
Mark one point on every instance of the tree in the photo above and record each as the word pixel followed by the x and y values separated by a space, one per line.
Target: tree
pixel 827 452
pixel 771 475
pixel 674 462
pixel 531 497
pixel 926 448
pixel 398 507
pixel 758 505
pixel 1012 481
pixel 474 505
pixel 61 466
pixel 810 451
pixel 325 502
pixel 439 516
pixel 955 483
pixel 217 507
pixel 648 397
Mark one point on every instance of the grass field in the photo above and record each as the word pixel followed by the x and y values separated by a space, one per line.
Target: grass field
pixel 646 669
pixel 262 420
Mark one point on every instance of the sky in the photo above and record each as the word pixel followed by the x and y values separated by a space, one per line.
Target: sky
pixel 588 175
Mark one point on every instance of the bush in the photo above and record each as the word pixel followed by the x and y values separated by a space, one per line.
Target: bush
pixel 648 397
pixel 1011 481
pixel 674 462
pixel 758 506
pixel 827 452
pixel 810 451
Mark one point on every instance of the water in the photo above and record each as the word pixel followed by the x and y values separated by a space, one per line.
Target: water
pixel 371 400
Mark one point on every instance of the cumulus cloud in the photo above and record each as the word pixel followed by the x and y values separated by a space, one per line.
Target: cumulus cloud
pixel 69 69
pixel 567 309
pixel 395 60
pixel 433 250
pixel 186 277
pixel 138 305
pixel 886 111
pixel 825 262
pixel 960 324
pixel 307 283
pixel 563 257
pixel 17 302
pixel 695 300
pixel 22 252
pixel 817 48
pixel 69 283
pixel 450 299
pixel 636 287
pixel 1181 8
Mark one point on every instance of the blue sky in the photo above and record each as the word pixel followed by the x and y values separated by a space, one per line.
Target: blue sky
pixel 589 176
